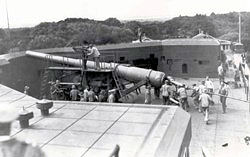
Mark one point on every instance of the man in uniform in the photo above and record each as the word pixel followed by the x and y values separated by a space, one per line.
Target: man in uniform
pixel 93 51
pixel 183 97
pixel 195 95
pixel 209 86
pixel 221 73
pixel 9 146
pixel 223 91
pixel 165 92
pixel 148 95
pixel 74 93
pixel 205 100
pixel 84 51
pixel 55 90
pixel 26 90
pixel 111 97
pixel 202 89
pixel 91 95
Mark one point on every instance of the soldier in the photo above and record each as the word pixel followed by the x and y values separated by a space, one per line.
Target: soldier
pixel 111 97
pixel 91 95
pixel 223 91
pixel 148 95
pixel 195 96
pixel 74 93
pixel 236 77
pixel 85 94
pixel 209 86
pixel 9 146
pixel 26 90
pixel 102 96
pixel 165 92
pixel 183 97
pixel 221 73
pixel 205 100
pixel 202 89
pixel 55 90
pixel 93 51
pixel 83 50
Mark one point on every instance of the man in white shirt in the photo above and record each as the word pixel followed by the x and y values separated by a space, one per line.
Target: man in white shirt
pixel 183 97
pixel 93 51
pixel 195 95
pixel 205 100
pixel 74 93
pixel 223 91
pixel 221 73
pixel 202 89
pixel 209 86
pixel 165 92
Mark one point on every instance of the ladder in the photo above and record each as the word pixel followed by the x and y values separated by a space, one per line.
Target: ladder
pixel 118 83
pixel 44 83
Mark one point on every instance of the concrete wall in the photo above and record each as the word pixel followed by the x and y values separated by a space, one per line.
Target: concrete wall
pixel 201 60
pixel 23 71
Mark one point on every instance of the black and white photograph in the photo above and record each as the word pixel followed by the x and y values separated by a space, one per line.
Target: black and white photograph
pixel 124 78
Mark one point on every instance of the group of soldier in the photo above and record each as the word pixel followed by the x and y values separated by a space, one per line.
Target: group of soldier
pixel 202 95
pixel 86 95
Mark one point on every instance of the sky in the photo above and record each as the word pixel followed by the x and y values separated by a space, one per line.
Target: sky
pixel 28 13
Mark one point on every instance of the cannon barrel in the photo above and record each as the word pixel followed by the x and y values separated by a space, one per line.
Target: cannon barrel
pixel 132 74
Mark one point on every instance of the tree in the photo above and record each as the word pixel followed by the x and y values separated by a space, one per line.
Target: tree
pixel 2 34
pixel 46 41
pixel 112 22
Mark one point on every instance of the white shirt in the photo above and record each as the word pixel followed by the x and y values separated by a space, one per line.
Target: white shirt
pixel 111 98
pixel 205 98
pixel 94 51
pixel 182 92
pixel 220 70
pixel 202 88
pixel 209 84
pixel 165 89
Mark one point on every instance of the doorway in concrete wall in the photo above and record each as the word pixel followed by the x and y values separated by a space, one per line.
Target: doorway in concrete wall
pixel 184 68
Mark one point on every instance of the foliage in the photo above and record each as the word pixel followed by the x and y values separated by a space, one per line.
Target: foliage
pixel 75 31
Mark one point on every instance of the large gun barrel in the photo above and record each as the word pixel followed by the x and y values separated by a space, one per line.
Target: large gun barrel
pixel 133 74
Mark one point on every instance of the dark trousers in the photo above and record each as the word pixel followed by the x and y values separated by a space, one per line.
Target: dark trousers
pixel 97 63
pixel 184 103
pixel 165 100
pixel 223 103
pixel 221 78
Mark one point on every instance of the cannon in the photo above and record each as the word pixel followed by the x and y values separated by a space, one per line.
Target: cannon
pixel 129 73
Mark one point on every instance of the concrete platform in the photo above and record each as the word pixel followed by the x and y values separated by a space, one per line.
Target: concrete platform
pixel 229 128
pixel 72 120
pixel 93 129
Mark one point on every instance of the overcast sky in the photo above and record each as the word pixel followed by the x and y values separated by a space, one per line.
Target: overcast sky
pixel 24 13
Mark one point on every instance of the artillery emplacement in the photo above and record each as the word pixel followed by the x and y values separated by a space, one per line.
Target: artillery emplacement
pixel 110 76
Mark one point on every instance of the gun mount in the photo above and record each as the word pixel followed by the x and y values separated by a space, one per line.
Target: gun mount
pixel 132 74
